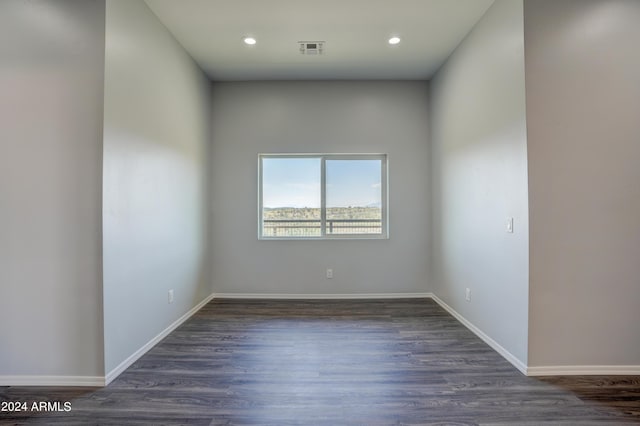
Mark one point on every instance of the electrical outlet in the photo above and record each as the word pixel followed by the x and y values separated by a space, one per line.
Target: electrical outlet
pixel 170 295
pixel 467 294
pixel 329 274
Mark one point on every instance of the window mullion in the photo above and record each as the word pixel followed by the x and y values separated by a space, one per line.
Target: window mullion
pixel 323 197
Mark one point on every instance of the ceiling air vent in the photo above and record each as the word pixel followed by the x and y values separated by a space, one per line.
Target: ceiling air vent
pixel 311 47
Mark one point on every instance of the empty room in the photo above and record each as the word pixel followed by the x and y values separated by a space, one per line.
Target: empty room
pixel 344 212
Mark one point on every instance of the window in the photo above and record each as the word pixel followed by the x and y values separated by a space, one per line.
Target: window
pixel 322 196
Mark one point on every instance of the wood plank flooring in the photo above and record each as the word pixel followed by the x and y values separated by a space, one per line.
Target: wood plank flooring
pixel 337 362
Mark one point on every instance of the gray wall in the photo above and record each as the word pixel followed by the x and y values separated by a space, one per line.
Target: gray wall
pixel 479 170
pixel 583 109
pixel 51 92
pixel 156 139
pixel 334 117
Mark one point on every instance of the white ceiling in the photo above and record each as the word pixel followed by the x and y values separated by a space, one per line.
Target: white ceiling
pixel 355 33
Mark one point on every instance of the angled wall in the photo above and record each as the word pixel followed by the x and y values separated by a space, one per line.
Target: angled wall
pixel 479 179
pixel 156 142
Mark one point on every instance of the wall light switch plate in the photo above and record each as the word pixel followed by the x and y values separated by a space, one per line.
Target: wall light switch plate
pixel 510 225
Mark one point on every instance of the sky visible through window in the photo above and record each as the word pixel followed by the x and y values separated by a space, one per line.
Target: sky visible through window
pixel 291 182
pixel 353 183
pixel 295 182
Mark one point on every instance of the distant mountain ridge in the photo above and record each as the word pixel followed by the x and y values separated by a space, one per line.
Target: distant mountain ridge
pixel 307 213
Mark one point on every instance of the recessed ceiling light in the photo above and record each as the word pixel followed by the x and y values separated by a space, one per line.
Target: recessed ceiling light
pixel 394 40
pixel 249 40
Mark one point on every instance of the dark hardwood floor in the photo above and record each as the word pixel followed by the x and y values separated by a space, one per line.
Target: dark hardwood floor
pixel 338 362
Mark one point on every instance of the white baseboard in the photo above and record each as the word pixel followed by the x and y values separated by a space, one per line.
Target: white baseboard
pixel 488 340
pixel 151 343
pixel 99 381
pixel 29 380
pixel 585 370
pixel 564 370
pixel 296 296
